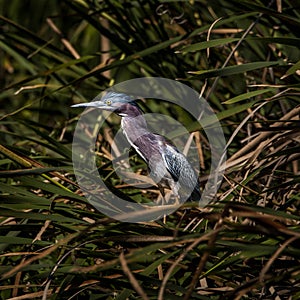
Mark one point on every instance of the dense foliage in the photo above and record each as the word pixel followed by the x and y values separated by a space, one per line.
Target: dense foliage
pixel 242 56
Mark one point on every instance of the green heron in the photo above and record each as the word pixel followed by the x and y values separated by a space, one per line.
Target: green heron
pixel 168 167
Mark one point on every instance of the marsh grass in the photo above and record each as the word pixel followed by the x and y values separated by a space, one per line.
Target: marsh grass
pixel 243 57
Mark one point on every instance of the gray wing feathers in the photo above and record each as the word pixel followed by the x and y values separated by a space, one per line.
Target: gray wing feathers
pixel 179 167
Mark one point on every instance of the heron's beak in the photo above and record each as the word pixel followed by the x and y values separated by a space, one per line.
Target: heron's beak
pixel 89 104
pixel 95 104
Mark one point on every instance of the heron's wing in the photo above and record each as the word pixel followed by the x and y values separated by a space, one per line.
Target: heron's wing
pixel 173 160
pixel 178 166
pixel 181 171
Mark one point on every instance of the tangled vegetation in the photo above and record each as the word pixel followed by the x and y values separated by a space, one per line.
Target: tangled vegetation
pixel 242 56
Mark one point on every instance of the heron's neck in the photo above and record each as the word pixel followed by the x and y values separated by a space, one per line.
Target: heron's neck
pixel 134 127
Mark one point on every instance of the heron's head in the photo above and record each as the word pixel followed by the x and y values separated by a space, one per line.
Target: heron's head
pixel 120 103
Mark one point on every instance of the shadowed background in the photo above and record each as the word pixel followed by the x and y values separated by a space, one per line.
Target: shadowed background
pixel 242 56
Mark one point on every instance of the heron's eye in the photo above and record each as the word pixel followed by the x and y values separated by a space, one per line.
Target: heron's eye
pixel 108 102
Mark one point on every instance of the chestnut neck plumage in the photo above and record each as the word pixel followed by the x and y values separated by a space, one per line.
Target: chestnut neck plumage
pixel 133 123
